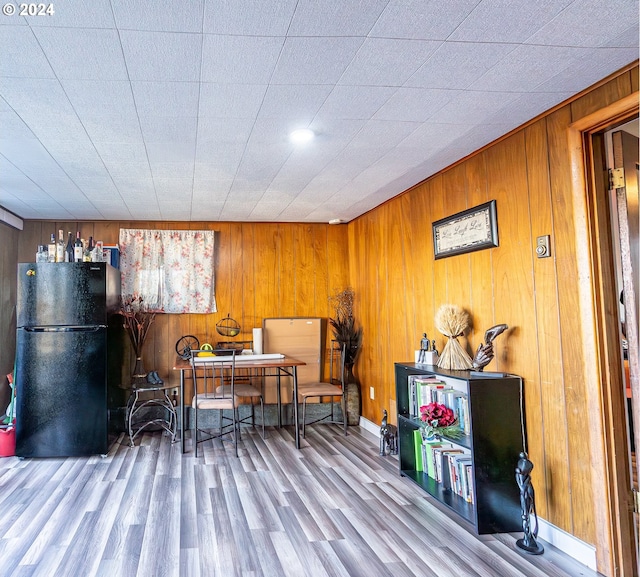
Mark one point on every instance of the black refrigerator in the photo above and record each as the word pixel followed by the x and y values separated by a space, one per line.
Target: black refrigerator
pixel 65 314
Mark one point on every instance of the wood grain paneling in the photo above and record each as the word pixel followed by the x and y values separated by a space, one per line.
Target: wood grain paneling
pixel 529 175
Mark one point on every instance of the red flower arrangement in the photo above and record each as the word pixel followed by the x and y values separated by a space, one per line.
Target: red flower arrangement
pixel 439 420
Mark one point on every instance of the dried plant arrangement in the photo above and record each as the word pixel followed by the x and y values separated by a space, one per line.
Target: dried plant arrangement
pixel 452 321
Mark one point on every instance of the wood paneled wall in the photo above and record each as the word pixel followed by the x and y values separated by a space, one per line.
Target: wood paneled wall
pixel 262 271
pixel 399 287
pixel 8 266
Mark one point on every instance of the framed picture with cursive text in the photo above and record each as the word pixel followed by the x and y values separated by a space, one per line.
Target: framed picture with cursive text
pixel 472 229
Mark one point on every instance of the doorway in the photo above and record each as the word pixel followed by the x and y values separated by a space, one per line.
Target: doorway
pixel 616 549
pixel 622 161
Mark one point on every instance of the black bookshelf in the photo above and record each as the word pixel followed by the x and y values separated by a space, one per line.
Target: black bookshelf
pixel 494 442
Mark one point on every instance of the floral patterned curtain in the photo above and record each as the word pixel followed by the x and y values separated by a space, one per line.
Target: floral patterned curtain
pixel 171 269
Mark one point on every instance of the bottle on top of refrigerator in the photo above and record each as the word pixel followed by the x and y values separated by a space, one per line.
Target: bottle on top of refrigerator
pixel 42 255
pixel 87 250
pixel 77 249
pixel 68 250
pixel 96 253
pixel 60 247
pixel 52 249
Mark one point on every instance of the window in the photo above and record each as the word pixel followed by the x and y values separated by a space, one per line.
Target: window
pixel 172 270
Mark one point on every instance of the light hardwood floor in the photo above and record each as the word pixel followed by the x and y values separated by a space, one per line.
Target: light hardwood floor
pixel 333 508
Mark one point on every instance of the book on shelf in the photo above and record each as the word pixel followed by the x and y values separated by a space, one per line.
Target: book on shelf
pixel 418 449
pixel 443 468
pixel 430 456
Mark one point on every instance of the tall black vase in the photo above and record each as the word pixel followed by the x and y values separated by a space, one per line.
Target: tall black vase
pixel 354 398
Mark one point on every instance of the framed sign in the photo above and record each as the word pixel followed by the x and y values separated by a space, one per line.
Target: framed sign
pixel 472 229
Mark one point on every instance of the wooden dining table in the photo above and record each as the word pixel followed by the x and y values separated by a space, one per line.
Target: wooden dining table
pixel 272 367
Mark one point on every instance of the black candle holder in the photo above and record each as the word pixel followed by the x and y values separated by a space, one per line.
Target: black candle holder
pixel 528 505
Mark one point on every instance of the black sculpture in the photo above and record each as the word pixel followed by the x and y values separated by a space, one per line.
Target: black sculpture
pixel 528 505
pixel 485 354
pixel 388 437
pixel 424 347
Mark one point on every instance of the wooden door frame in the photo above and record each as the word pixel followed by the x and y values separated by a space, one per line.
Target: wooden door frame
pixel 615 548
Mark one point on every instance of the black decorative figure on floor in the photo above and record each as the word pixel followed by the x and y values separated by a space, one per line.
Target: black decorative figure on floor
pixel 528 505
pixel 388 436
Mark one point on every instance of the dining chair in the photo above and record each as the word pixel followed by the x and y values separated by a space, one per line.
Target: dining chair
pixel 214 388
pixel 334 387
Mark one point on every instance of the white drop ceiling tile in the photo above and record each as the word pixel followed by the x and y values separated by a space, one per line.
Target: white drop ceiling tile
pixel 230 100
pixel 628 38
pixel 112 129
pixel 210 162
pixel 239 59
pixel 35 97
pixel 122 171
pixel 528 66
pixel 12 127
pixel 115 152
pixel 77 14
pixel 431 136
pixel 181 170
pixel 108 96
pixel 248 17
pixel 80 53
pixel 502 21
pixel 218 170
pixel 144 211
pixel 387 61
pixel 267 211
pixel 335 17
pixel 414 104
pixel 586 23
pixel 418 19
pixel 300 102
pixel 59 127
pixel 597 65
pixel 207 212
pixel 166 129
pixel 165 99
pixel 167 187
pixel 162 56
pixel 472 107
pixel 97 188
pixel 355 102
pixel 208 190
pixel 224 131
pixel 526 107
pixel 236 212
pixel 383 133
pixel 457 64
pixel 165 15
pixel 171 151
pixel 314 60
pixel 22 56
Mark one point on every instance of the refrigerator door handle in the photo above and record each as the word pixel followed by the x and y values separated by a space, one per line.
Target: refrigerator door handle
pixel 69 329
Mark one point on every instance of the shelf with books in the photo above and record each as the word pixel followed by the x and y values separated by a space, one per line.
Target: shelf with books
pixel 474 475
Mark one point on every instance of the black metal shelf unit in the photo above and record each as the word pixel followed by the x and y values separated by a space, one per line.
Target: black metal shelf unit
pixel 494 442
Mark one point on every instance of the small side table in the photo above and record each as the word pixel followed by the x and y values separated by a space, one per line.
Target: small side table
pixel 135 404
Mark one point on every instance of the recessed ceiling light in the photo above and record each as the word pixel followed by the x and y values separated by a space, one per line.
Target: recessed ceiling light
pixel 301 135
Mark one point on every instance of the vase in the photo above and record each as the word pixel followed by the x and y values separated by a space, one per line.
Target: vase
pixel 139 374
pixel 354 402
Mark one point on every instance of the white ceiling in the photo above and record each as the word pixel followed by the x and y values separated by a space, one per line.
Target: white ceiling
pixel 181 109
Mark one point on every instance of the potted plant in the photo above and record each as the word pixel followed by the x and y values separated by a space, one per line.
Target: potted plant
pixel 349 335
pixel 138 318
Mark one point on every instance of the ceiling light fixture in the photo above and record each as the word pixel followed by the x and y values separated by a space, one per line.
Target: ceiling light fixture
pixel 302 135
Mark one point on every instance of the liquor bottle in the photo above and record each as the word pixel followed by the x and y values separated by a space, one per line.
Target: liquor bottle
pixel 52 248
pixel 87 251
pixel 96 253
pixel 77 249
pixel 68 251
pixel 60 247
